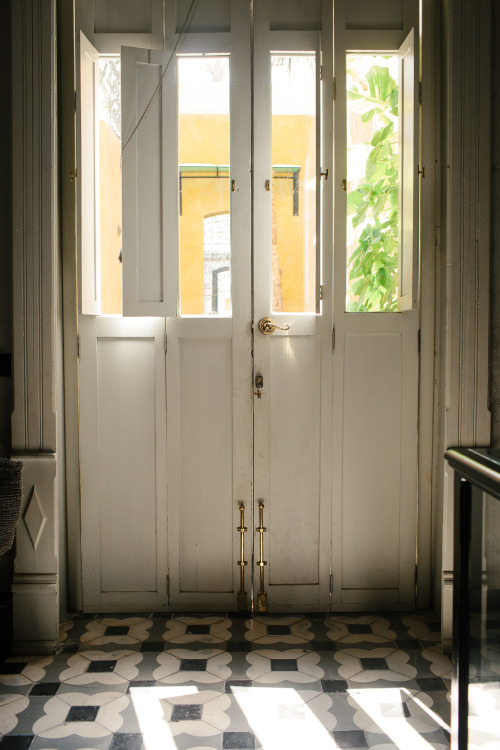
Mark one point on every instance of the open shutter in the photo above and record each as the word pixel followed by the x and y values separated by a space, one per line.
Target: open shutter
pixel 408 174
pixel 87 134
pixel 149 184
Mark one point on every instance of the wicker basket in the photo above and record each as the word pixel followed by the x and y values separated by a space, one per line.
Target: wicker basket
pixel 11 492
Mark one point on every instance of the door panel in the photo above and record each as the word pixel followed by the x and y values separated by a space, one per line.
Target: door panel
pixel 205 444
pixel 294 459
pixel 370 529
pixel 122 423
pixel 375 448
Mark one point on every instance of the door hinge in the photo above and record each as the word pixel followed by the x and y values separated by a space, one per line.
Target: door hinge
pixel 78 347
pixel 334 89
pixel 420 93
pixel 165 342
pixel 333 339
pixel 320 72
pixel 168 588
pixel 418 340
pixel 415 575
pixel 331 584
pixel 321 291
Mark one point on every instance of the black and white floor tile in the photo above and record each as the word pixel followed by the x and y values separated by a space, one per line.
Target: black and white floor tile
pixel 201 682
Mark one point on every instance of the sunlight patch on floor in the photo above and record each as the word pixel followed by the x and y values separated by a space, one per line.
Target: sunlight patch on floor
pixel 280 717
pixel 385 707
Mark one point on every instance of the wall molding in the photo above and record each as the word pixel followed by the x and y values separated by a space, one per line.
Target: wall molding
pixel 34 220
pixel 467 260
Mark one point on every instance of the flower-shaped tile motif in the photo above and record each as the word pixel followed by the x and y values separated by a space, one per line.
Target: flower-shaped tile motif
pixel 11 705
pixel 103 667
pixel 366 628
pixel 114 630
pixel 440 664
pixel 423 627
pixel 269 667
pixel 97 715
pixel 17 671
pixel 200 715
pixel 183 665
pixel 378 664
pixel 199 629
pixel 64 627
pixel 392 710
pixel 269 630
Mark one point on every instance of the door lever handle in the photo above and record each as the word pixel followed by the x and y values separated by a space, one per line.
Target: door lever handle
pixel 268 326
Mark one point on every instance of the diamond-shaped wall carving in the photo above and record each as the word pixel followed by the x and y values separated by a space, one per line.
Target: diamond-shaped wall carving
pixel 34 518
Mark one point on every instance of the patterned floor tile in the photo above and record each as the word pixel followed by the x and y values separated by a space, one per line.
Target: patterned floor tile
pixel 21 670
pixel 388 664
pixel 102 667
pixel 186 630
pixel 213 681
pixel 185 665
pixel 268 666
pixel 87 716
pixel 359 630
pixel 11 705
pixel 73 742
pixel 126 741
pixel 108 630
pixel 17 742
pixel 272 630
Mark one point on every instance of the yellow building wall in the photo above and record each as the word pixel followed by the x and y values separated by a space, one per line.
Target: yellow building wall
pixel 204 139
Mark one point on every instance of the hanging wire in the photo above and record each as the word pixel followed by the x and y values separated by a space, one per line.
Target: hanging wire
pixel 183 30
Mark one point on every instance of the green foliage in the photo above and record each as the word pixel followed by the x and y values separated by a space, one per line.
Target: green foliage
pixel 374 203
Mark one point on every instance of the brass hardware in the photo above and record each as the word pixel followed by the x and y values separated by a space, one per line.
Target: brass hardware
pixel 233 185
pixel 268 185
pixel 259 384
pixel 261 596
pixel 73 175
pixel 324 174
pixel 242 594
pixel 268 326
pixel 344 185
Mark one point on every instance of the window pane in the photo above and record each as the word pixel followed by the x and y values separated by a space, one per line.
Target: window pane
pixel 110 184
pixel 372 183
pixel 294 183
pixel 204 186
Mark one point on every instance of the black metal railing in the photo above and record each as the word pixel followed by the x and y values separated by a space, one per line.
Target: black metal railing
pixel 476 599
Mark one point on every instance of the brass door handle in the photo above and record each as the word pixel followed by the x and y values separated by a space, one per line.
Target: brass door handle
pixel 268 326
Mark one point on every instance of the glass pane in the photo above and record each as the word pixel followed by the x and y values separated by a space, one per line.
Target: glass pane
pixel 294 182
pixel 110 184
pixel 372 183
pixel 204 186
pixel 484 623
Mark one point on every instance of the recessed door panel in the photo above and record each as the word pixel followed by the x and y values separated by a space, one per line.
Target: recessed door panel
pixel 205 445
pixel 295 418
pixel 126 405
pixel 372 418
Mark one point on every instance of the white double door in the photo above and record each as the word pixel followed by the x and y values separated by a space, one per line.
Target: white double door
pixel 176 434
